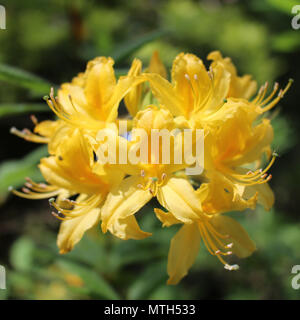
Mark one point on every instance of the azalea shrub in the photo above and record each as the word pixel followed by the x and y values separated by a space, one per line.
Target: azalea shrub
pixel 237 134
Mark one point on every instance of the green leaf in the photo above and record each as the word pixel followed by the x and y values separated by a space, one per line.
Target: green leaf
pixel 125 50
pixel 91 252
pixel 95 283
pixel 12 109
pixel 21 254
pixel 148 281
pixel 13 172
pixel 24 79
pixel 286 41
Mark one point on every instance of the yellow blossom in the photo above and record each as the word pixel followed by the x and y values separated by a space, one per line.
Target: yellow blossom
pixel 240 87
pixel 193 90
pixel 69 173
pixel 238 134
pixel 222 235
pixel 146 181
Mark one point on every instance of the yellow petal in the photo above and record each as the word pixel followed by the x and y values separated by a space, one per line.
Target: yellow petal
pixel 265 194
pixel 255 144
pixel 128 228
pixel 165 93
pixel 73 100
pixel 166 218
pixel 71 231
pixel 221 85
pixel 62 132
pixel 240 87
pixel 191 81
pixel 133 98
pixel 122 202
pixel 100 84
pixel 183 251
pixel 47 128
pixel 235 140
pixel 71 168
pixel 156 65
pixel 178 197
pixel 154 118
pixel 243 246
pixel 221 195
pixel 123 87
pixel 244 87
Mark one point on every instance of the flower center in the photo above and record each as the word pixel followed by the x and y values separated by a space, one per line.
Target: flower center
pixel 151 183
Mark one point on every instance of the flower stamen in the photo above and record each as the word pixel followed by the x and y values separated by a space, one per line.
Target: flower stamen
pixel 27 135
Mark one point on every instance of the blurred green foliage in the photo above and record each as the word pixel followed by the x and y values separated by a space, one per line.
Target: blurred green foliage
pixel 53 40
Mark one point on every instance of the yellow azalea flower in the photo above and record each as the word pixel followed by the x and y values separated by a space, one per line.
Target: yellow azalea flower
pixel 93 97
pixel 133 99
pixel 69 173
pixel 219 234
pixel 83 190
pixel 146 181
pixel 234 142
pixel 222 235
pixel 240 87
pixel 195 94
pixel 89 102
pixel 244 87
pixel 193 90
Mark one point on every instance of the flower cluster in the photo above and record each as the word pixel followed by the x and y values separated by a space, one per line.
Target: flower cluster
pixel 84 191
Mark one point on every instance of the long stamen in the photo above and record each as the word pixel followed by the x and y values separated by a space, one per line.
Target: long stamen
pixel 263 93
pixel 34 119
pixel 56 107
pixel 263 103
pixel 39 187
pixel 259 95
pixel 75 203
pixel 58 216
pixel 258 173
pixel 213 230
pixel 68 214
pixel 213 249
pixel 204 239
pixel 195 85
pixel 72 103
pixel 26 134
pixel 34 195
pixel 276 86
pixel 252 178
